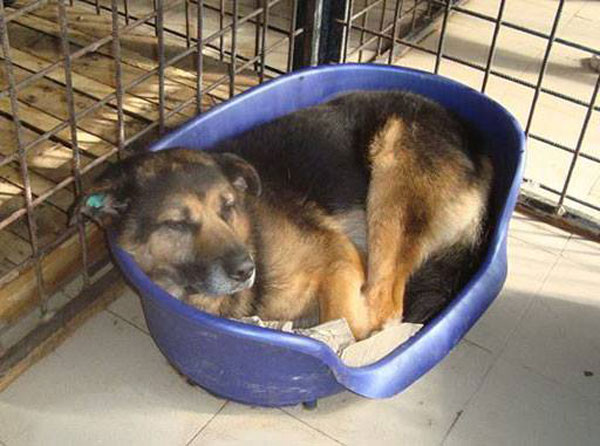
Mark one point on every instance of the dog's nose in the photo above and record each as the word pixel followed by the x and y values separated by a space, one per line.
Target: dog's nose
pixel 241 268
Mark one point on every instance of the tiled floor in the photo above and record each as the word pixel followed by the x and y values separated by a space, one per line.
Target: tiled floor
pixel 527 373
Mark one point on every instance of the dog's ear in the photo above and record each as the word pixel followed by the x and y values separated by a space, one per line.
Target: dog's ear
pixel 240 173
pixel 108 198
pixel 110 195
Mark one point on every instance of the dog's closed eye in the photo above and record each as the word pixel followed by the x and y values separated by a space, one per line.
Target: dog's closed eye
pixel 227 207
pixel 179 225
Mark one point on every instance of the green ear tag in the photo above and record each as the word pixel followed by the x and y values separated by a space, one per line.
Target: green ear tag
pixel 95 201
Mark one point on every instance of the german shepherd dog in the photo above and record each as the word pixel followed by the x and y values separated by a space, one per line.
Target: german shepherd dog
pixel 369 207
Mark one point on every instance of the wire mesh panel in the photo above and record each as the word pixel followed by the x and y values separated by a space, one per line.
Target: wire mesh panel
pixel 539 59
pixel 84 83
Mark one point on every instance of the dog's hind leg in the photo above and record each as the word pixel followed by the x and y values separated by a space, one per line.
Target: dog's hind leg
pixel 398 214
pixel 424 195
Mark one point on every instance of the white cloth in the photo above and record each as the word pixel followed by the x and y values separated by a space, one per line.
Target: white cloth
pixel 337 335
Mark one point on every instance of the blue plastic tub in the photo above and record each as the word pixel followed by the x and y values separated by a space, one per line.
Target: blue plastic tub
pixel 270 368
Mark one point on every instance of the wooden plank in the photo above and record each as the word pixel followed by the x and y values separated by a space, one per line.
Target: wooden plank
pixel 59 267
pixel 51 222
pixel 14 249
pixel 93 74
pixel 138 50
pixel 88 142
pixel 47 155
pixel 50 98
pixel 44 20
pixel 62 198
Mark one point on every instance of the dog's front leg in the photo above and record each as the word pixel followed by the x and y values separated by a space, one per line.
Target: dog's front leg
pixel 340 291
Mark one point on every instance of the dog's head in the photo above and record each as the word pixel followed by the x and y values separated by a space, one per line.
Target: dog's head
pixel 182 215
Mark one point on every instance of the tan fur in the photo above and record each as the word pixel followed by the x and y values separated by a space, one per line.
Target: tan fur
pixel 411 214
pixel 311 271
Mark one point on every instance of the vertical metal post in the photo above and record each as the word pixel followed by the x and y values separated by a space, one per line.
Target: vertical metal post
pixel 347 29
pixel 308 50
pixel 363 25
pixel 126 9
pixel 22 156
pixel 397 16
pixel 161 64
pixel 76 162
pixel 116 50
pixel 221 26
pixel 154 6
pixel 580 140
pixel 315 39
pixel 440 48
pixel 263 54
pixel 413 20
pixel 381 25
pixel 538 86
pixel 232 64
pixel 257 34
pixel 188 39
pixel 492 52
pixel 292 35
pixel 199 52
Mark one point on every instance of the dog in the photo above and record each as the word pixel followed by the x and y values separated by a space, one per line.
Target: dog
pixel 370 207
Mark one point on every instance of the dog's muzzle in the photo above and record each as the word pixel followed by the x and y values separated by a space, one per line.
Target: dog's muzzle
pixel 231 274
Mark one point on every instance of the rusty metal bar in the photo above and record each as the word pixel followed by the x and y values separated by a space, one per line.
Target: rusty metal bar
pixel 523 29
pixel 492 51
pixel 14 103
pixel 292 35
pixel 221 26
pixel 76 163
pixel 155 18
pixel 188 40
pixel 584 128
pixel 397 17
pixel 381 26
pixel 365 9
pixel 83 51
pixel 347 29
pixel 257 33
pixel 542 72
pixel 116 52
pixel 64 183
pixel 161 64
pixel 126 11
pixel 440 48
pixel 21 11
pixel 365 18
pixel 564 148
pixel 478 67
pixel 232 62
pixel 199 53
pixel 263 39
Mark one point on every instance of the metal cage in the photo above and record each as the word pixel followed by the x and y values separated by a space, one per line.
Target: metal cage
pixel 85 82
